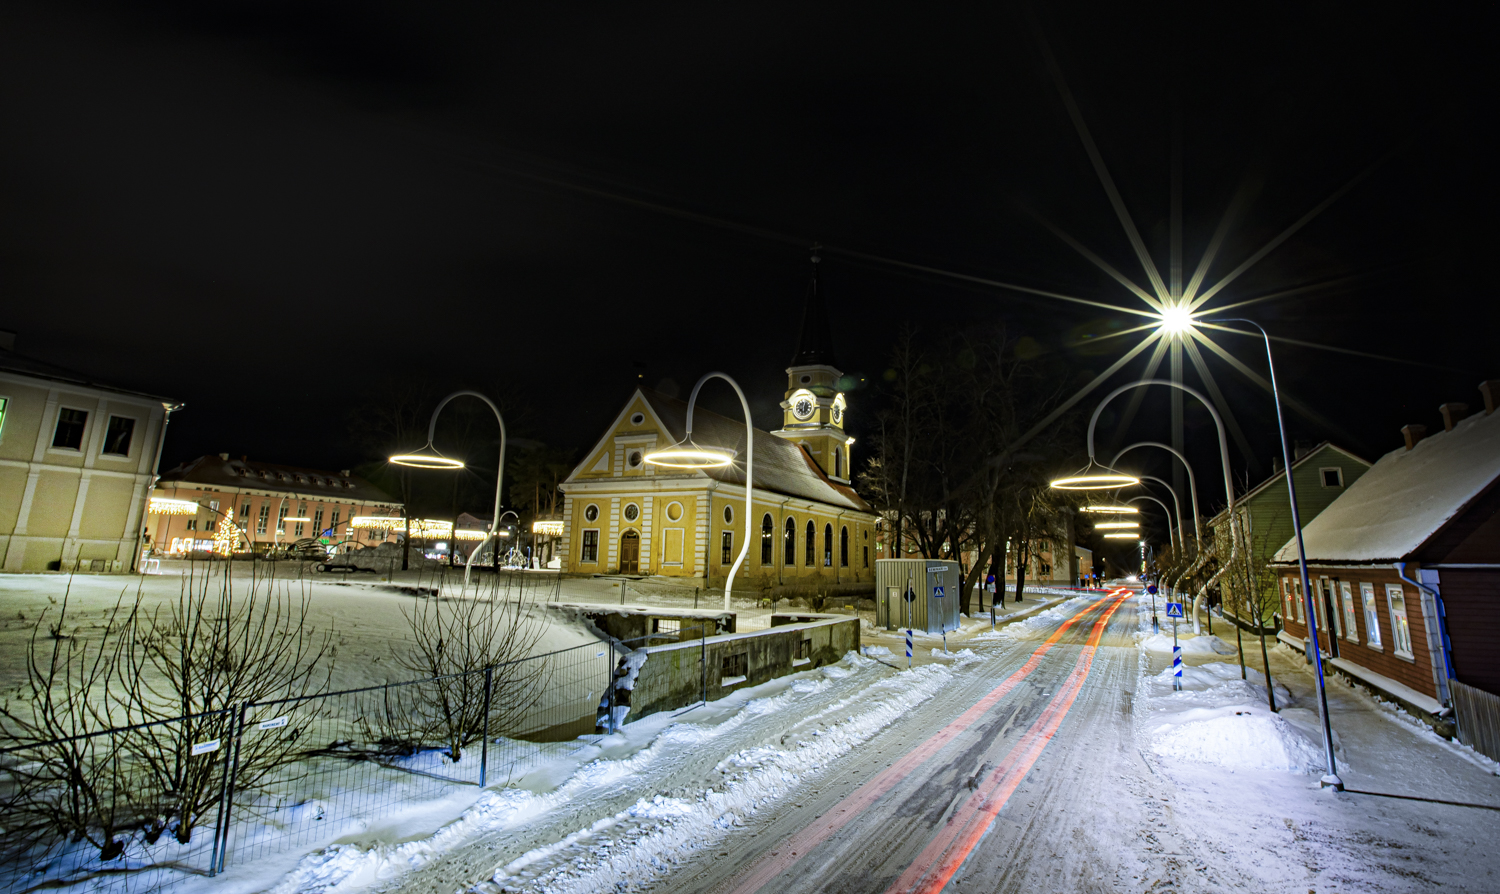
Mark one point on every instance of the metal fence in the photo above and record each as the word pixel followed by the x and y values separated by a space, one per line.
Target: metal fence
pixel 111 808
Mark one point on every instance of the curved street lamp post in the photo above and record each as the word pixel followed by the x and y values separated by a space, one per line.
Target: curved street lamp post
pixel 429 458
pixel 686 454
pixel 1192 480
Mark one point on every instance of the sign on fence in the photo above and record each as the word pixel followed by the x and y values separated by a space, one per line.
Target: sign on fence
pixel 274 723
pixel 205 747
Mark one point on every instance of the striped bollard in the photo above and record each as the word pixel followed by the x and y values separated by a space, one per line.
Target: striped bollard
pixel 908 648
pixel 1177 668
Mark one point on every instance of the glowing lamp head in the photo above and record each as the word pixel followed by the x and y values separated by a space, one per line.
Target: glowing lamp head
pixel 1176 320
pixel 426 458
pixel 1112 510
pixel 688 455
pixel 1098 481
pixel 1116 525
pixel 1121 536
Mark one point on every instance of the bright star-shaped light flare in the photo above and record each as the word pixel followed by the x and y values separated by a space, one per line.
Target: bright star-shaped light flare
pixel 1176 320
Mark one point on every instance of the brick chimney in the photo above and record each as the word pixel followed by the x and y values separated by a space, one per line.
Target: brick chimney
pixel 1413 434
pixel 224 457
pixel 1453 413
pixel 1490 390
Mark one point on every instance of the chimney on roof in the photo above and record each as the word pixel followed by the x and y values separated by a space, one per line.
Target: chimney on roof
pixel 8 340
pixel 1489 389
pixel 224 457
pixel 1413 434
pixel 344 472
pixel 1453 413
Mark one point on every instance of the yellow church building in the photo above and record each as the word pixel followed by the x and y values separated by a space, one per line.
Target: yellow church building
pixel 622 515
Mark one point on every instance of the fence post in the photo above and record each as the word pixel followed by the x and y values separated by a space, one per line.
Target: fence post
pixel 226 791
pixel 610 682
pixel 484 750
pixel 703 656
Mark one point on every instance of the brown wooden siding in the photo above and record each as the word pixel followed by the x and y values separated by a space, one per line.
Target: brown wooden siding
pixel 1416 673
pixel 1471 600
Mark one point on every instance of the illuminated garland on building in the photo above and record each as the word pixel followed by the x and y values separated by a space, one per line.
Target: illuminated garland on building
pixel 420 527
pixel 547 528
pixel 228 535
pixel 164 506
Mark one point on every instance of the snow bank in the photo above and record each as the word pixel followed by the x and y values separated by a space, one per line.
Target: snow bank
pixel 874 651
pixel 1047 621
pixel 1191 645
pixel 1237 737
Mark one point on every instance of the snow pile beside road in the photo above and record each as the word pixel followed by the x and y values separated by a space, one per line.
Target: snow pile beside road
pixel 1238 737
pixel 959 658
pixel 1047 621
pixel 1191 645
pixel 641 844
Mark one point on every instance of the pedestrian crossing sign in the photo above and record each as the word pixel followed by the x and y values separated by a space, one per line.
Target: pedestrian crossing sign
pixel 937 592
pixel 1174 609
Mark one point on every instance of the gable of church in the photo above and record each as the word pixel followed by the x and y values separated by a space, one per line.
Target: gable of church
pixel 620 453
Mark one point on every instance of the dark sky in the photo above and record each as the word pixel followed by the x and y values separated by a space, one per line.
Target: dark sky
pixel 268 209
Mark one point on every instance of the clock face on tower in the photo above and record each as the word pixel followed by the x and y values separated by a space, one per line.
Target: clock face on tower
pixel 803 408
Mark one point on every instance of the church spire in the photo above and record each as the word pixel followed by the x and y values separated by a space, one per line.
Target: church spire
pixel 815 343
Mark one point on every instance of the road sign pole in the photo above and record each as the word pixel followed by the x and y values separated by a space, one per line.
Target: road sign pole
pixel 1176 660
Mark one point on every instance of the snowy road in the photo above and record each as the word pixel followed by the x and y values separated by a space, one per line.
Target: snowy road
pixel 1024 766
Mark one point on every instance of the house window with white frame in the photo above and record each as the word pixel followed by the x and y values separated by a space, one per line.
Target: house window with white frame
pixel 1372 615
pixel 1332 476
pixel 68 435
pixel 590 551
pixel 1395 599
pixel 1301 603
pixel 265 515
pixel 117 436
pixel 726 545
pixel 1351 627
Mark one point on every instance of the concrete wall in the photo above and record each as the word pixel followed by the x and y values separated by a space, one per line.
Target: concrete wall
pixel 673 675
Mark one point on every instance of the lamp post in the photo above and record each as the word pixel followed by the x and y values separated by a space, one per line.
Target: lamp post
pixel 1223 457
pixel 1331 780
pixel 1192 480
pixel 686 454
pixel 429 458
pixel 1175 502
pixel 1166 512
pixel 495 555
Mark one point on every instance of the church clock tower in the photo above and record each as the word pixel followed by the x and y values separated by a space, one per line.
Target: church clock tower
pixel 813 408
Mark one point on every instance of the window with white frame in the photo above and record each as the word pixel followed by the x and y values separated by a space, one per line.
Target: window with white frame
pixel 590 551
pixel 1400 626
pixel 4 402
pixel 1331 477
pixel 1329 603
pixel 117 436
pixel 1351 626
pixel 265 515
pixel 726 545
pixel 1372 615
pixel 281 519
pixel 1301 603
pixel 68 435
pixel 1288 611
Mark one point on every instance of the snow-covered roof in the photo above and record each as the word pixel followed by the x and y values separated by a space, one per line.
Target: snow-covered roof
pixel 781 466
pixel 1406 497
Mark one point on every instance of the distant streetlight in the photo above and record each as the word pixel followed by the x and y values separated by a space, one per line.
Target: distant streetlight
pixel 428 458
pixel 686 454
pixel 1167 513
pixel 1175 502
pixel 1223 457
pixel 1192 480
pixel 1332 778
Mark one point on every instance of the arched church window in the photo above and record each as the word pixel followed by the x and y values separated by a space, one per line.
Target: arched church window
pixel 844 547
pixel 812 543
pixel 767 539
pixel 838 463
pixel 828 546
pixel 791 540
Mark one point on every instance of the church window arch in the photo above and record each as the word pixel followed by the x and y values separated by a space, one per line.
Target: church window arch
pixel 791 541
pixel 767 539
pixel 838 463
pixel 828 546
pixel 812 543
pixel 844 547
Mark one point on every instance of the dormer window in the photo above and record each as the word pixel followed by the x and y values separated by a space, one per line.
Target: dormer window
pixel 1333 477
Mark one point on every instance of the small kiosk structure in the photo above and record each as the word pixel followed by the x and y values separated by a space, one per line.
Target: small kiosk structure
pixel 933 582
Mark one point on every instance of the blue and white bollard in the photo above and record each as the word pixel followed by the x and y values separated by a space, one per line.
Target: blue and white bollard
pixel 1177 668
pixel 908 647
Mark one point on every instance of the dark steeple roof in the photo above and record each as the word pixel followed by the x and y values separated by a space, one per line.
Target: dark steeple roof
pixel 815 343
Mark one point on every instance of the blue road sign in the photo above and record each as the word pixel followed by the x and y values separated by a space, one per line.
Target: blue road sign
pixel 1174 610
pixel 937 592
pixel 1151 589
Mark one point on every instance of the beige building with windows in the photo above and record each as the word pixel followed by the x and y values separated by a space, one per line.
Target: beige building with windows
pixel 271 504
pixel 622 515
pixel 76 461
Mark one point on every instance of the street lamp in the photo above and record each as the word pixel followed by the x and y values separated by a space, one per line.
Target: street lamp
pixel 1167 514
pixel 1175 502
pixel 428 458
pixel 1223 457
pixel 1107 479
pixel 686 454
pixel 1332 779
pixel 1192 481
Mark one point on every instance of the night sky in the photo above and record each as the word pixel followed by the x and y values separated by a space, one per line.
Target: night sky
pixel 271 210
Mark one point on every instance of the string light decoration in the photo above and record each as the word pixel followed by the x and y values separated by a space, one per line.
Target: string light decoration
pixel 376 521
pixel 164 506
pixel 547 528
pixel 227 535
pixel 469 534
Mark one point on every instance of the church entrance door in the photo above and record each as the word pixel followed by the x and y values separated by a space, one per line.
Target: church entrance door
pixel 630 553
